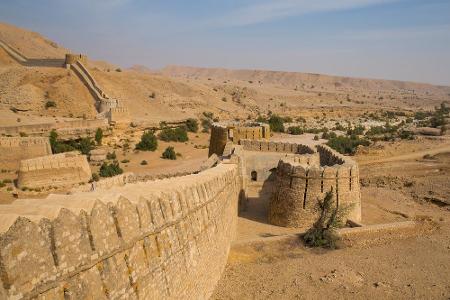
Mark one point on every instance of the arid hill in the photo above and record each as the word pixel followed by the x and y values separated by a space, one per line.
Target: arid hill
pixel 176 93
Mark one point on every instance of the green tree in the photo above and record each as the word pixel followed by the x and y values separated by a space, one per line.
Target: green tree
pixel 85 146
pixel 148 142
pixel 53 140
pixel 346 145
pixel 331 217
pixel 174 135
pixel 192 125
pixel 110 170
pixel 169 153
pixel 99 136
pixel 276 123
pixel 295 130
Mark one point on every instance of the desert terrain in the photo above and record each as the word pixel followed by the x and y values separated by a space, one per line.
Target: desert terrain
pixel 397 132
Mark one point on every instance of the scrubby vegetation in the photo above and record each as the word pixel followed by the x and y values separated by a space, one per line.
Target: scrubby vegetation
pixel 276 123
pixel 111 156
pixel 110 170
pixel 99 136
pixel 331 217
pixel 295 130
pixel 148 142
pixel 95 177
pixel 84 145
pixel 50 104
pixel 347 144
pixel 174 134
pixel 169 153
pixel 192 125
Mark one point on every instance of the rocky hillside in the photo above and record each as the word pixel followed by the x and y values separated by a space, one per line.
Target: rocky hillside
pixel 176 92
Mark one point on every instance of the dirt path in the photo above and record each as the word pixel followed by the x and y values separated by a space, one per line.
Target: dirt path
pixel 413 155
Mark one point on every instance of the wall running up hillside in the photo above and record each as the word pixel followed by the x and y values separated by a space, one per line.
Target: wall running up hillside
pixel 165 239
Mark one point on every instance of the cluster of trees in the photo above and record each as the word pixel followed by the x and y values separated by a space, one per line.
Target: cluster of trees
pixel 178 134
pixel 84 145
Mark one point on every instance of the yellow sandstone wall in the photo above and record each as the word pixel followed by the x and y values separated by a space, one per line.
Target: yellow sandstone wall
pixel 73 58
pixel 165 239
pixel 298 187
pixel 222 133
pixel 54 170
pixel 218 140
pixel 15 149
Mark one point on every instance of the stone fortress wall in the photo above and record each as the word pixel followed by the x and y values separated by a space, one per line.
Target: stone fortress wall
pixel 15 149
pixel 165 239
pixel 77 63
pixel 68 129
pixel 221 134
pixel 299 185
pixel 54 170
pixel 74 58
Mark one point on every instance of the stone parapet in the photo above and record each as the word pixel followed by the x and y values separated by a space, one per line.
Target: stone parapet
pixel 300 185
pixel 15 149
pixel 62 169
pixel 165 239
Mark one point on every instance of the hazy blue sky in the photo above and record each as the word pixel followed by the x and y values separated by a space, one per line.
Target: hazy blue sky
pixel 392 39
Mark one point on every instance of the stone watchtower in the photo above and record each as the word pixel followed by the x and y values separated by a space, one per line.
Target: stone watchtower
pixel 73 58
pixel 222 133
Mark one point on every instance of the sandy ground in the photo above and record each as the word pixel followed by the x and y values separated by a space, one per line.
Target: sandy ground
pixel 412 267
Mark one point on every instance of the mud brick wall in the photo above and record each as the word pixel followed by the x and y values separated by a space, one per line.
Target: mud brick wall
pixel 37 129
pixel 218 140
pixel 298 187
pixel 164 239
pixel 251 133
pixel 223 133
pixel 119 115
pixel 54 170
pixel 15 149
pixel 266 146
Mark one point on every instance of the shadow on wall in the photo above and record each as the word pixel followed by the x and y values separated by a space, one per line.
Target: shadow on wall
pixel 256 206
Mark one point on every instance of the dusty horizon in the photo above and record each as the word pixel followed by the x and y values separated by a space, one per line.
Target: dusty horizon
pixel 405 40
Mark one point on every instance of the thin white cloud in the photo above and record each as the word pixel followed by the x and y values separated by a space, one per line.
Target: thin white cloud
pixel 437 31
pixel 278 9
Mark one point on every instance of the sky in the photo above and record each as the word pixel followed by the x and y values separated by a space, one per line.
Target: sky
pixel 388 39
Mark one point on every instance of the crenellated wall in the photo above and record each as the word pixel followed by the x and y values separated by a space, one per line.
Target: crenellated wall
pixel 54 170
pixel 74 58
pixel 165 239
pixel 15 149
pixel 119 115
pixel 266 146
pixel 299 186
pixel 221 134
pixel 66 129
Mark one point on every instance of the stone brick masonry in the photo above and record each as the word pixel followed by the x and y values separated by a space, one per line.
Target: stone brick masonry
pixel 14 149
pixel 54 170
pixel 164 239
pixel 299 185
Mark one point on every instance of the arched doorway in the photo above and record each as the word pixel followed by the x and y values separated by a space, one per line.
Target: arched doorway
pixel 254 176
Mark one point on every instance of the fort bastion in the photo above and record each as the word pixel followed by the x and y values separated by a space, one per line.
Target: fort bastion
pixel 15 149
pixel 54 170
